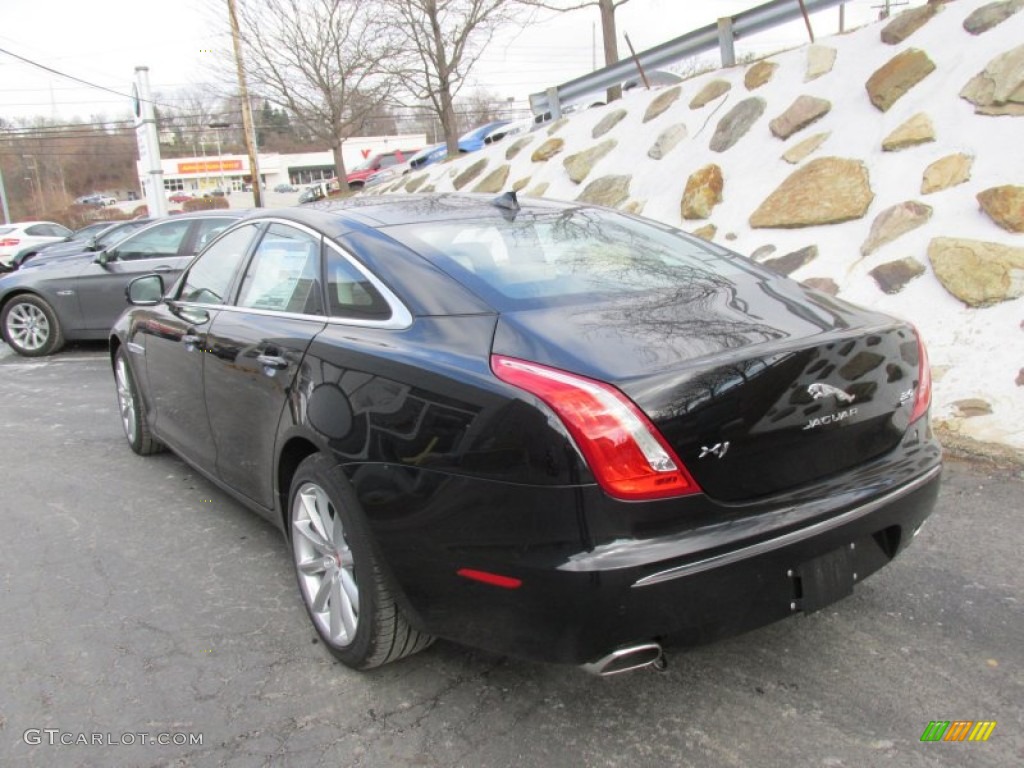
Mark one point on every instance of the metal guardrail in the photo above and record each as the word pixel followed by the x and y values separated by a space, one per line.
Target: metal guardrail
pixel 745 23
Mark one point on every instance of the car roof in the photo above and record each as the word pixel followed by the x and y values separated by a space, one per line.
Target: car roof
pixel 388 210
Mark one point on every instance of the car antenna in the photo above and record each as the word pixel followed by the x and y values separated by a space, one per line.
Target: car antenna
pixel 507 202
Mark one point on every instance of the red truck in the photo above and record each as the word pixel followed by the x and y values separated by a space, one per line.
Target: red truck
pixel 358 176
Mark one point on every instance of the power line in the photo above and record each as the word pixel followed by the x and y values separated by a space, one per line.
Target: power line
pixel 69 77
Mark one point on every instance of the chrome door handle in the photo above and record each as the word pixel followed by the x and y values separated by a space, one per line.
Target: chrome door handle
pixel 272 362
pixel 190 340
pixel 162 268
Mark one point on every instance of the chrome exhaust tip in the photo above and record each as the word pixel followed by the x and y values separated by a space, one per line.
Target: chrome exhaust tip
pixel 627 659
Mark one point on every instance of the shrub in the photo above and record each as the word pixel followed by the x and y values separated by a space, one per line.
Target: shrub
pixel 204 204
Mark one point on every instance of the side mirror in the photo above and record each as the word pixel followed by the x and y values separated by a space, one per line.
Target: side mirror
pixel 145 291
pixel 104 257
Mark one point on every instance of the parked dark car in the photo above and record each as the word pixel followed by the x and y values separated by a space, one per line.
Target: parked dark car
pixel 548 430
pixel 53 298
pixel 108 234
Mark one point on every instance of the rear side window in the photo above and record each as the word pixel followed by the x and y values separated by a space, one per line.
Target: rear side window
pixel 569 256
pixel 284 273
pixel 207 230
pixel 350 294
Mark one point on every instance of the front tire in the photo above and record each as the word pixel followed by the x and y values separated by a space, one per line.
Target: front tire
pixel 341 581
pixel 30 326
pixel 133 410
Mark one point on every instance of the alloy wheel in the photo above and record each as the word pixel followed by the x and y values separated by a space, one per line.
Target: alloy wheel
pixel 28 327
pixel 325 564
pixel 126 398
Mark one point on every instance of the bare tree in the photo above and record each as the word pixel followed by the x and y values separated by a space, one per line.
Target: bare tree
pixel 607 9
pixel 443 40
pixel 322 60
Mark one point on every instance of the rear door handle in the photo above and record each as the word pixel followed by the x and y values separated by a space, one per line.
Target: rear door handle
pixel 273 363
pixel 190 340
pixel 163 268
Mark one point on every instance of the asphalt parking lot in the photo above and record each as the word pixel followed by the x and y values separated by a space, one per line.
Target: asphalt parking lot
pixel 141 604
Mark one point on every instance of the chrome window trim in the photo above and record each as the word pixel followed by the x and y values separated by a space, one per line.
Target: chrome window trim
pixel 778 542
pixel 401 318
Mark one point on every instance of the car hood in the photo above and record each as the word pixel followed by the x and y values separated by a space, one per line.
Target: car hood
pixel 50 259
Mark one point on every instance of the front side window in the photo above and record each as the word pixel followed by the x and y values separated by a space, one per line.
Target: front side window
pixel 284 274
pixel 209 279
pixel 207 231
pixel 160 240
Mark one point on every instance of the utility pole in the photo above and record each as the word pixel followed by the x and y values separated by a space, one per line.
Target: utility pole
pixel 247 125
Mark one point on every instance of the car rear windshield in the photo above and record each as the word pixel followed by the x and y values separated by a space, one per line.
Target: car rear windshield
pixel 573 256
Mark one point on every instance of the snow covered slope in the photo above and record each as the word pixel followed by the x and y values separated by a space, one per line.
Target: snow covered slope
pixel 940 259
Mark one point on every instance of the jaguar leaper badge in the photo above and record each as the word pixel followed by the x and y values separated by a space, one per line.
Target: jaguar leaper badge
pixel 818 391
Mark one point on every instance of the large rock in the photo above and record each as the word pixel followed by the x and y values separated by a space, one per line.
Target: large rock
pixel 520 184
pixel 791 262
pixel 1004 205
pixel 661 102
pixel 703 192
pixel 827 190
pixel 897 76
pixel 916 130
pixel 736 122
pixel 999 88
pixel 636 207
pixel 580 164
pixel 608 190
pixel 801 113
pixel 762 253
pixel 538 190
pixel 547 150
pixel 984 18
pixel 667 141
pixel 823 284
pixel 608 122
pixel 710 92
pixel 893 222
pixel 494 181
pixel 796 153
pixel 556 126
pixel 946 172
pixel 707 232
pixel 517 147
pixel 759 74
pixel 907 23
pixel 978 273
pixel 470 173
pixel 894 275
pixel 820 59
pixel 970 407
pixel 415 183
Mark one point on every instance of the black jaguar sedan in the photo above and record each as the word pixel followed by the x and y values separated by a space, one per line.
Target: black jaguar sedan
pixel 543 429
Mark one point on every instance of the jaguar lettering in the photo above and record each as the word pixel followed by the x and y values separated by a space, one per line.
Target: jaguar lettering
pixel 831 418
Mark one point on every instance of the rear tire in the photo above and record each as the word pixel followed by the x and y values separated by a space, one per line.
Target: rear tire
pixel 30 326
pixel 133 410
pixel 341 581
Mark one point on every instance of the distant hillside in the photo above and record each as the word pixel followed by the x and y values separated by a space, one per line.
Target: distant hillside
pixel 885 166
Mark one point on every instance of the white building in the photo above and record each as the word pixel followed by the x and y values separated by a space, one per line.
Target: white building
pixel 196 175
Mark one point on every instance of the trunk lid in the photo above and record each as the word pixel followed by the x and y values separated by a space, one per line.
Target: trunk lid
pixel 759 387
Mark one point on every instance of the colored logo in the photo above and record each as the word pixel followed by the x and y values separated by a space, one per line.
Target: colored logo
pixel 958 730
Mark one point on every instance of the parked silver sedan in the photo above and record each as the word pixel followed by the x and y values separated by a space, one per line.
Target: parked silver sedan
pixel 79 296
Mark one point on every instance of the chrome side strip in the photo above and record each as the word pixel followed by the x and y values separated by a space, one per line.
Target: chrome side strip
pixel 810 531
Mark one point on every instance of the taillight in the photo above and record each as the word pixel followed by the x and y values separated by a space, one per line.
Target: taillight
pixel 9 241
pixel 626 453
pixel 923 395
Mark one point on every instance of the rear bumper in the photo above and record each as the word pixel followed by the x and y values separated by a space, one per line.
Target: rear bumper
pixel 581 607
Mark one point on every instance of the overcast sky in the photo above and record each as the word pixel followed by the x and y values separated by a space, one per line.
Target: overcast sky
pixel 103 41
